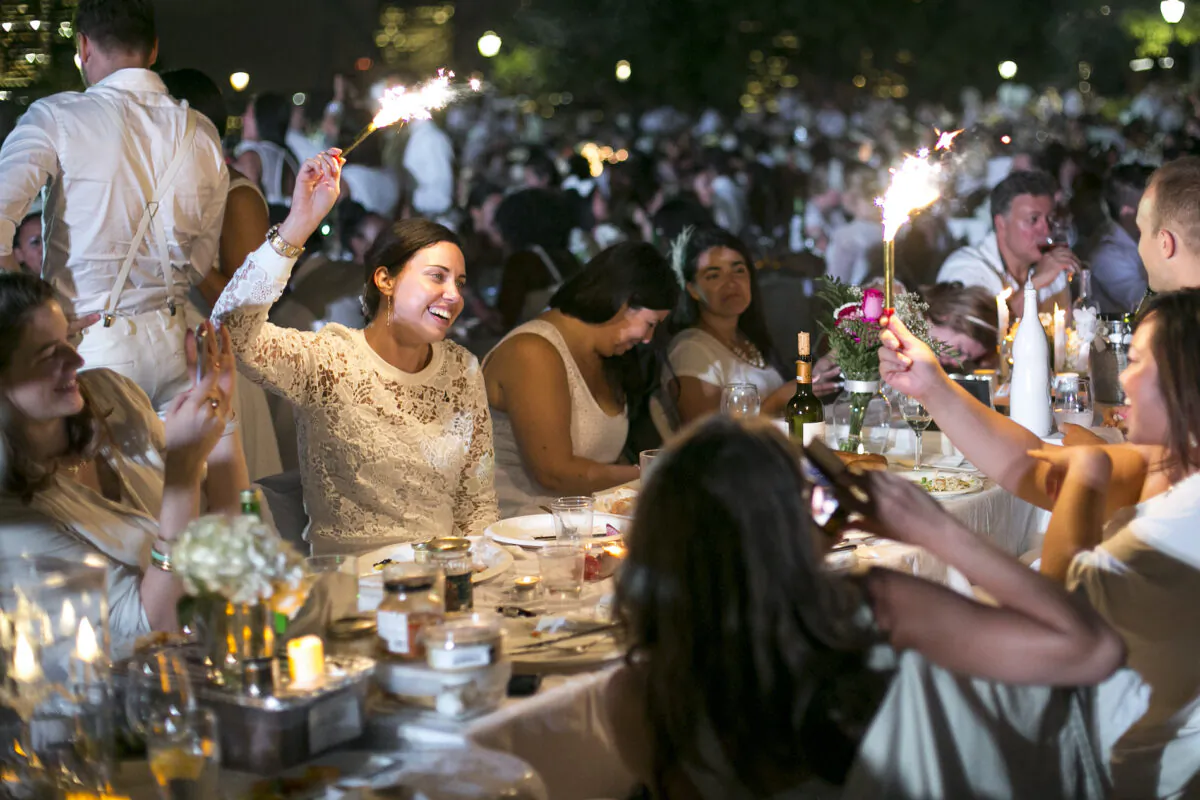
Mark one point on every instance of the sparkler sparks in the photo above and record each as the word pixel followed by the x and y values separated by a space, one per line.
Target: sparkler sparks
pixel 945 139
pixel 402 104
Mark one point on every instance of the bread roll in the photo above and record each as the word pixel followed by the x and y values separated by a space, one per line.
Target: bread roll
pixel 864 461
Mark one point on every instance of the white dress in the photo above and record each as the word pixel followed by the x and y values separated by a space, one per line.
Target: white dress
pixel 70 521
pixel 695 353
pixel 385 456
pixel 595 435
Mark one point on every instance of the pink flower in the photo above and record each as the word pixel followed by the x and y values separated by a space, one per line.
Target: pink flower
pixel 847 311
pixel 872 305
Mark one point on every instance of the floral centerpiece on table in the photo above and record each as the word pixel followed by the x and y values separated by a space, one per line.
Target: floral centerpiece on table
pixel 242 581
pixel 853 332
pixel 1080 338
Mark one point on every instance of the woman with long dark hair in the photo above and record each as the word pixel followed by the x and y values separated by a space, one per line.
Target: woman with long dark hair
pixel 721 335
pixel 751 665
pixel 87 469
pixel 561 386
pixel 1123 533
pixel 395 438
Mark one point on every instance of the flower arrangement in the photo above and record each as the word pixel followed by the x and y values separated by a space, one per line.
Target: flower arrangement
pixel 854 328
pixel 237 558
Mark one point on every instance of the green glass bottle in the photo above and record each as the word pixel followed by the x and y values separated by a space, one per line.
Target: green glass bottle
pixel 252 500
pixel 805 414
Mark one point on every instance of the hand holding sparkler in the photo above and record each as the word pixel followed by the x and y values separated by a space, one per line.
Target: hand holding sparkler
pixel 317 188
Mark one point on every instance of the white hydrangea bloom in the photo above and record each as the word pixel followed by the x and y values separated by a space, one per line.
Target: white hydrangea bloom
pixel 238 558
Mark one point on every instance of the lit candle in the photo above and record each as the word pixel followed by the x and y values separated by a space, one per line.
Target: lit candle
pixel 306 661
pixel 1060 338
pixel 66 623
pixel 1002 312
pixel 87 652
pixel 25 668
pixel 526 583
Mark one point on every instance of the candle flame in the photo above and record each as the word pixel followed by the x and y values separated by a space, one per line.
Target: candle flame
pixel 1007 293
pixel 945 139
pixel 25 666
pixel 399 103
pixel 86 648
pixel 66 622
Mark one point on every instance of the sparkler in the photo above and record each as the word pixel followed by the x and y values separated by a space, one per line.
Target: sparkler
pixel 402 104
pixel 914 186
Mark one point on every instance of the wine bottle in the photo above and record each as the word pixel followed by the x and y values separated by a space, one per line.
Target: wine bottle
pixel 805 414
pixel 251 502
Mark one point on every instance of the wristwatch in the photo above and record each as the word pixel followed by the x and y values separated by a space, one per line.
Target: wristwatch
pixel 281 245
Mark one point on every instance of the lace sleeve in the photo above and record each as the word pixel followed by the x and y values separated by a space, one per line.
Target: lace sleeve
pixel 475 506
pixel 281 359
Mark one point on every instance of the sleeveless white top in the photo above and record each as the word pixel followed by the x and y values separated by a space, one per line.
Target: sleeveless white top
pixel 594 434
pixel 274 158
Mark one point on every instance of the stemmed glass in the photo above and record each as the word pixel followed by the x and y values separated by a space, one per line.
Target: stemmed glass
pixel 918 418
pixel 740 400
pixel 159 688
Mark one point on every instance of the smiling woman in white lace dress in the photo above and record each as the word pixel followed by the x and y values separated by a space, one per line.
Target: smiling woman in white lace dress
pixel 395 435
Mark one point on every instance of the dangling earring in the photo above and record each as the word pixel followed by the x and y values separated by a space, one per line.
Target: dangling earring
pixel 389 311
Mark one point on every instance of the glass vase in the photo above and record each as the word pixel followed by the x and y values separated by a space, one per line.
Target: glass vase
pixel 240 645
pixel 860 420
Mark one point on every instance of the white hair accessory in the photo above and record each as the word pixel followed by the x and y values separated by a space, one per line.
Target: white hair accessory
pixel 679 254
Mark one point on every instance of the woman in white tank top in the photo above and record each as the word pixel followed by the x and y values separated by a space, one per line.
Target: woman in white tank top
pixel 263 155
pixel 560 385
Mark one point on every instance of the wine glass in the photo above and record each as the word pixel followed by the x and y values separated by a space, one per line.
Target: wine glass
pixel 1073 401
pixel 159 688
pixel 918 418
pixel 740 400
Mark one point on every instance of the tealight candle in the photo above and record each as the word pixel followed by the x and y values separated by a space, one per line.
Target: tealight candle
pixel 526 583
pixel 306 661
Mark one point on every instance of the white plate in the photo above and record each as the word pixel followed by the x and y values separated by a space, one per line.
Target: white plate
pixel 599 649
pixel 523 531
pixel 493 559
pixel 976 483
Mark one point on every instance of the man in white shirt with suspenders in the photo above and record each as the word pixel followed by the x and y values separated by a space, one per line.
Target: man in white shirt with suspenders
pixel 135 188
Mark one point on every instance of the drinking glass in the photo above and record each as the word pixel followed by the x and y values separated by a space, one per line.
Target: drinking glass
pixel 573 518
pixel 562 570
pixel 646 461
pixel 918 418
pixel 740 400
pixel 185 756
pixel 1073 401
pixel 159 689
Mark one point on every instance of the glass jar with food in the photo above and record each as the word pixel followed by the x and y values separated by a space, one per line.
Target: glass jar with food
pixel 410 606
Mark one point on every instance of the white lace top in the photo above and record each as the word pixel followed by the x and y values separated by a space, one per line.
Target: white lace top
pixel 386 456
pixel 594 434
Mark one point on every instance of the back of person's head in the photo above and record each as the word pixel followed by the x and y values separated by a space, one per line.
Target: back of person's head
pixel 1033 183
pixel 731 617
pixel 677 214
pixel 272 115
pixel 1123 188
pixel 1175 320
pixel 862 187
pixel 480 193
pixel 394 248
pixel 201 93
pixel 535 217
pixel 629 275
pixel 540 169
pixel 1176 206
pixel 118 26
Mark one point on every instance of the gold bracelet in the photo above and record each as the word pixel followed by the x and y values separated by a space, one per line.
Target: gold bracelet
pixel 282 246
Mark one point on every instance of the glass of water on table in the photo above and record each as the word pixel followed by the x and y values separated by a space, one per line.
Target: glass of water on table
pixel 184 752
pixel 573 518
pixel 918 418
pixel 1073 401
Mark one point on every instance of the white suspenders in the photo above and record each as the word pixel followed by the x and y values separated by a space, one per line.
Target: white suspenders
pixel 150 218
